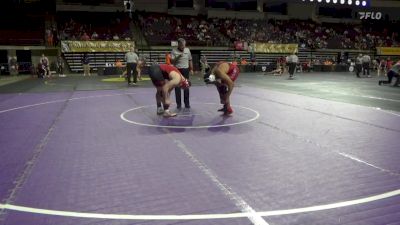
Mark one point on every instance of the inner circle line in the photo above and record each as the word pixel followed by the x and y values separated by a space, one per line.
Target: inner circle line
pixel 122 116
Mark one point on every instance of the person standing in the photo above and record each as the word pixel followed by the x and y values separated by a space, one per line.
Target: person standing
pixel 86 64
pixel 366 60
pixel 359 64
pixel 253 61
pixel 140 65
pixel 60 66
pixel 204 64
pixel 292 61
pixel 13 65
pixel 45 63
pixel 382 67
pixel 131 59
pixel 181 58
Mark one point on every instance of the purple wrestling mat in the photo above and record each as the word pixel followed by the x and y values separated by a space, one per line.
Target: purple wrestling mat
pixel 105 157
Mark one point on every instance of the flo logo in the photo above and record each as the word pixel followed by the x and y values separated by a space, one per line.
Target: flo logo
pixel 370 15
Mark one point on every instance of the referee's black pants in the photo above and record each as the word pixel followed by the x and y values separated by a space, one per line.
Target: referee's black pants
pixel 292 67
pixel 131 67
pixel 365 68
pixel 185 73
pixel 358 69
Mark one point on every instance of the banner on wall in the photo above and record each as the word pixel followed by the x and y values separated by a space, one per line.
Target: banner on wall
pixel 274 48
pixel 96 46
pixel 388 50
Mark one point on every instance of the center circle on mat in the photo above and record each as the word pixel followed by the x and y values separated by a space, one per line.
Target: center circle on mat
pixel 202 115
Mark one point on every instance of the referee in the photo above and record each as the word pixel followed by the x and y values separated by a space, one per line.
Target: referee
pixel 131 59
pixel 181 58
pixel 292 61
pixel 366 60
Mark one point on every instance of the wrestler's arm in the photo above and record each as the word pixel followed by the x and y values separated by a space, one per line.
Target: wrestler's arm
pixel 220 73
pixel 174 81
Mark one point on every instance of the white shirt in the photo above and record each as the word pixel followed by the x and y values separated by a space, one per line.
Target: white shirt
pixel 366 59
pixel 292 59
pixel 131 57
pixel 183 61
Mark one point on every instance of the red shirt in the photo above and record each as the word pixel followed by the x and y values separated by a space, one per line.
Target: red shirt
pixel 389 64
pixel 233 71
pixel 166 69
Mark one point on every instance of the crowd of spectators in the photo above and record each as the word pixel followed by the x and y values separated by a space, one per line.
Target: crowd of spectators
pixel 309 34
pixel 90 27
pixel 161 29
pixel 15 30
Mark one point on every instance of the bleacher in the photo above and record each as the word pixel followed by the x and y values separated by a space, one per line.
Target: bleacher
pixel 14 37
pixel 16 30
pixel 264 59
pixel 100 60
pixel 97 60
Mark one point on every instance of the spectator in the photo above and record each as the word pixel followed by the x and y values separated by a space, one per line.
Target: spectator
pixel 141 63
pixel 45 64
pixel 307 34
pixel 49 37
pixel 60 66
pixel 119 66
pixel 382 67
pixel 86 64
pixel 85 37
pixel 307 66
pixel 95 36
pixel 13 65
pixel 108 24
pixel 359 64
pixel 253 60
pixel 204 64
pixel 56 36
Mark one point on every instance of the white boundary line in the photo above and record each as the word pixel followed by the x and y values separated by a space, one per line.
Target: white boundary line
pixel 199 216
pixel 378 98
pixel 61 100
pixel 225 189
pixel 366 163
pixel 362 96
pixel 387 111
pixel 257 115
pixel 187 217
